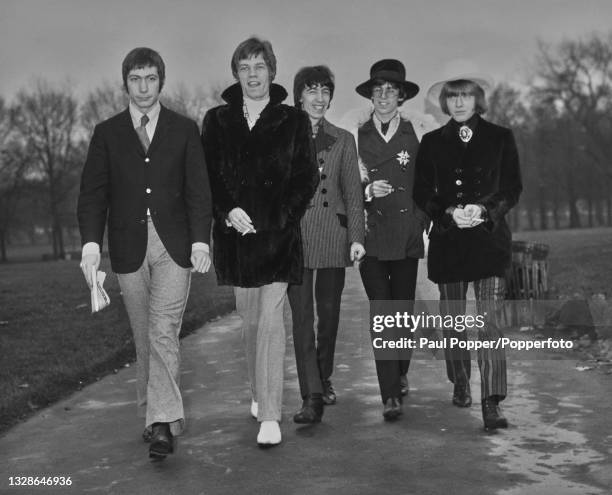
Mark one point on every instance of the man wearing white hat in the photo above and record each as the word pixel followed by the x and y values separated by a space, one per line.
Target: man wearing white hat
pixel 467 178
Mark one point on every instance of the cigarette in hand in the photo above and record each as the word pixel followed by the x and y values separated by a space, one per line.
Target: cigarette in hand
pixel 477 220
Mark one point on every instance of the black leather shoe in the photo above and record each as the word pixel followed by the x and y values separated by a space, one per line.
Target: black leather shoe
pixel 492 414
pixel 147 434
pixel 162 441
pixel 392 409
pixel 329 394
pixel 311 411
pixel 462 397
pixel 404 388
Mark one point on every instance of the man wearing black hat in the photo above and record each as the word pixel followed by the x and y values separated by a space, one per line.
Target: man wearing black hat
pixel 387 146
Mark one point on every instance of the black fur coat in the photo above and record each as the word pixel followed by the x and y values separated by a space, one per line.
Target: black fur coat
pixel 270 172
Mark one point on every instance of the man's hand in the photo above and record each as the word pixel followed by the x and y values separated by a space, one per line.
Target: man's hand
pixel 87 262
pixel 200 260
pixel 241 221
pixel 475 213
pixel 380 188
pixel 461 219
pixel 357 251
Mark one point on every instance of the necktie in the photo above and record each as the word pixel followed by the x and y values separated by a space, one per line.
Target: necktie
pixel 384 127
pixel 142 133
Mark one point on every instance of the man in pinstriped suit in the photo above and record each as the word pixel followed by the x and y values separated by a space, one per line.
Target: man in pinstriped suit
pixel 332 238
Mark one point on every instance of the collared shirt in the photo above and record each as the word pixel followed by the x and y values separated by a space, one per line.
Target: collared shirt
pixel 393 125
pixel 136 115
pixel 153 115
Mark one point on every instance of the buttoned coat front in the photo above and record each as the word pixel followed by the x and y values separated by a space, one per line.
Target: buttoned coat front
pixel 395 225
pixel 121 181
pixel 334 218
pixel 449 173
pixel 270 172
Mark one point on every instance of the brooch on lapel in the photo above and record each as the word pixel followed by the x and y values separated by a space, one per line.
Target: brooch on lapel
pixel 403 158
pixel 465 133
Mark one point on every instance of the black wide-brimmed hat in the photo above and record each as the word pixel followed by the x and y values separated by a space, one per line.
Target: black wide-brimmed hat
pixel 390 70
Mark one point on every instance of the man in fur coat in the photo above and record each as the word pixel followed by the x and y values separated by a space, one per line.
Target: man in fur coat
pixel 263 175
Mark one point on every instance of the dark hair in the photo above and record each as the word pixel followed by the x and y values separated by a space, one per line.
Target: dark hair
pixel 142 57
pixel 381 82
pixel 308 77
pixel 465 87
pixel 252 48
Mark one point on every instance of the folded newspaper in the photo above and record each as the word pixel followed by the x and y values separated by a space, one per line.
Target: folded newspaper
pixel 99 297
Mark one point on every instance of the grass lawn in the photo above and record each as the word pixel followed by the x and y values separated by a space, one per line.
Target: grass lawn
pixel 51 344
pixel 580 260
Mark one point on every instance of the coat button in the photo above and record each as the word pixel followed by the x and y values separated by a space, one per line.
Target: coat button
pixel 147 159
pixel 323 176
pixel 458 170
pixel 326 204
pixel 403 210
pixel 142 221
pixel 460 194
pixel 321 161
pixel 458 182
pixel 323 191
pixel 148 190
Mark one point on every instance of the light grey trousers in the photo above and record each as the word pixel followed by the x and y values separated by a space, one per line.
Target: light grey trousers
pixel 263 332
pixel 155 297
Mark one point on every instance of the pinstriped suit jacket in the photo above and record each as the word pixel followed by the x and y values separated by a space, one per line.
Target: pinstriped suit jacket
pixel 335 217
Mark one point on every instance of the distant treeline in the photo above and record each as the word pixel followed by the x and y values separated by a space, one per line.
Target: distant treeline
pixel 562 119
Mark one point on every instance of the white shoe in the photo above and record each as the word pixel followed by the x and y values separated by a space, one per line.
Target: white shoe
pixel 254 409
pixel 269 434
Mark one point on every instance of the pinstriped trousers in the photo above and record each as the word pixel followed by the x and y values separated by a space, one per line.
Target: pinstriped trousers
pixel 263 333
pixel 490 294
pixel 155 297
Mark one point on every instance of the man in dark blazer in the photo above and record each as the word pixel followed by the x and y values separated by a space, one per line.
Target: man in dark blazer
pixel 145 173
pixel 467 178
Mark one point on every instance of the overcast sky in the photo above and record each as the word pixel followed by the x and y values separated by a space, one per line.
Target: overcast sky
pixel 86 40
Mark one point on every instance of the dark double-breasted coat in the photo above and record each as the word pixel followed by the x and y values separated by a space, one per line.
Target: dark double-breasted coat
pixel 450 173
pixel 120 181
pixel 270 172
pixel 394 225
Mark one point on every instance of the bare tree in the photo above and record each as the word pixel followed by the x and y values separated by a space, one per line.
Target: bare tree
pixel 13 164
pixel 101 104
pixel 193 104
pixel 576 77
pixel 46 119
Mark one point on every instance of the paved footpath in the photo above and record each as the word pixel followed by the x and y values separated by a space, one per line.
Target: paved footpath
pixel 559 441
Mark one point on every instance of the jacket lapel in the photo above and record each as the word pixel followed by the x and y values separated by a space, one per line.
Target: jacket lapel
pixel 161 129
pixel 128 133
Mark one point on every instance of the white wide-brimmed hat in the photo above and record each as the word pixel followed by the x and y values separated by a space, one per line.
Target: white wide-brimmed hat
pixel 483 80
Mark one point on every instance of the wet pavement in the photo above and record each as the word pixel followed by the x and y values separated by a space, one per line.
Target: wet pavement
pixel 559 440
